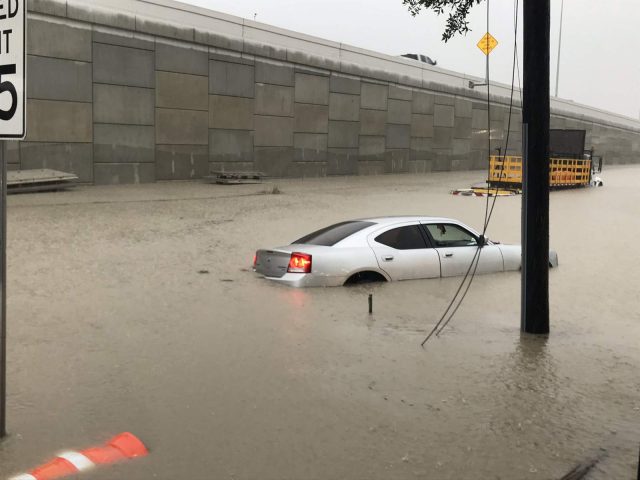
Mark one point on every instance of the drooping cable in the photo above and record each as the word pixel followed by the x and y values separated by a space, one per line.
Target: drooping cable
pixel 476 257
pixel 473 266
pixel 506 146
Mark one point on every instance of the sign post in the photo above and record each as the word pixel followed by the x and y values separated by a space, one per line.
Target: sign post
pixel 13 100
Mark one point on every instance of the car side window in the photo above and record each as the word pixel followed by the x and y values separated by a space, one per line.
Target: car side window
pixel 447 235
pixel 403 238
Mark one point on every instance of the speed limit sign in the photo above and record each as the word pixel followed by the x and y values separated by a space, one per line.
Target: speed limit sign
pixel 12 68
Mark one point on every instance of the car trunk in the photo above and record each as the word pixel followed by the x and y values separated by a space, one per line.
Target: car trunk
pixel 272 263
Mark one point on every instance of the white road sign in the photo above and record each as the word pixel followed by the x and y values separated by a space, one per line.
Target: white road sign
pixel 13 94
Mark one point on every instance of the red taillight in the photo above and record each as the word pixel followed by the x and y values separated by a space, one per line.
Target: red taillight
pixel 255 260
pixel 299 263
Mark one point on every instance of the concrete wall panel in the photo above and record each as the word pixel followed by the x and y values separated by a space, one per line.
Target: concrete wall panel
pixel 310 147
pixel 343 134
pixel 311 118
pixel 445 100
pixel 421 125
pixel 59 79
pixel 66 157
pixel 273 131
pixel 423 102
pixel 342 161
pixel 399 112
pixel 119 173
pixel 230 146
pixel 373 122
pixel 442 137
pixel 12 152
pixel 463 107
pixel 397 161
pixel 172 58
pixel 59 122
pixel 462 128
pixel 422 149
pixel 479 119
pixel 58 40
pixel 479 139
pixel 181 90
pixel 181 162
pixel 344 107
pixel 232 167
pixel 308 169
pixel 123 143
pixel 443 116
pixel 274 100
pixel 398 136
pixel 400 93
pixel 235 113
pixel 461 147
pixel 181 127
pixel 312 89
pixel 373 96
pixel 274 161
pixel 116 65
pixel 372 148
pixel 128 105
pixel 341 84
pixel 233 79
pixel 274 73
pixel 371 167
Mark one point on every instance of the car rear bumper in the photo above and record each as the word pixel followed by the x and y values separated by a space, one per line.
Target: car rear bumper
pixel 298 280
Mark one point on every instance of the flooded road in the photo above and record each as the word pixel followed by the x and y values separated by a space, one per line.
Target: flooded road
pixel 114 325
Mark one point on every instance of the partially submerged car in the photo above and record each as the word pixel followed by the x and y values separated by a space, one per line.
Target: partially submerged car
pixel 385 249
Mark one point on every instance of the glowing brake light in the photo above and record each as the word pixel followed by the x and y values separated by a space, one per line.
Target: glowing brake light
pixel 255 259
pixel 299 263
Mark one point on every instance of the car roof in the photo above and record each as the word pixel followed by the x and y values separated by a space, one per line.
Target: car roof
pixel 389 220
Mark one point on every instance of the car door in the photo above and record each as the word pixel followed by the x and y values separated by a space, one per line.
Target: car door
pixel 403 251
pixel 456 247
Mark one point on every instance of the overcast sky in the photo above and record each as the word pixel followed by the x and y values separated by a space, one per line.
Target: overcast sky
pixel 600 58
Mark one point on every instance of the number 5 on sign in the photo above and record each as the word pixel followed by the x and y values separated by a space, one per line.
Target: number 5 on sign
pixel 13 95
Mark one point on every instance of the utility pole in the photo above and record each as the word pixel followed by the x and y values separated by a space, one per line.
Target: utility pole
pixel 535 200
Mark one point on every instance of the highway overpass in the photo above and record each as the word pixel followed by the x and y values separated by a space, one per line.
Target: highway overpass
pixel 131 91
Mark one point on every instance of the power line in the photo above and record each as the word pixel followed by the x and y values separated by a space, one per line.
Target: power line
pixel 473 266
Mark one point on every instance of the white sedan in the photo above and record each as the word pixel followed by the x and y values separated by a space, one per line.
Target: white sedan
pixel 385 249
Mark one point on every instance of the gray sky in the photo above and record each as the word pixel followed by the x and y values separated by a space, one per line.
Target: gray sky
pixel 600 39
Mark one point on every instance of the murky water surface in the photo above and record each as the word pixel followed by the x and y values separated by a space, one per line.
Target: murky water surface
pixel 225 375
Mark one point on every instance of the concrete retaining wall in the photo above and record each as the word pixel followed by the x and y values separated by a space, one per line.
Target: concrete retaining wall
pixel 126 91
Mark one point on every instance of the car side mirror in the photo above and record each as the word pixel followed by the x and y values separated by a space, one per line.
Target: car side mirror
pixel 482 241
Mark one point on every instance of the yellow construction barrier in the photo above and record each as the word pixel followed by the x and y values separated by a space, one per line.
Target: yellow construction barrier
pixel 563 172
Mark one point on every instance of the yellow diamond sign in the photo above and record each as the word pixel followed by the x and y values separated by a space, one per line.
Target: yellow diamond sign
pixel 487 43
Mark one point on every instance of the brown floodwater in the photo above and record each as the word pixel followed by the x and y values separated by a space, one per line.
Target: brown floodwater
pixel 225 375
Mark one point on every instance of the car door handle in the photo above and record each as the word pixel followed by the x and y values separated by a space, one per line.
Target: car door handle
pixel 387 258
pixel 448 255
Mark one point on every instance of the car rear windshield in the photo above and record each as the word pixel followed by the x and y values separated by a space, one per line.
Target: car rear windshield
pixel 329 236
